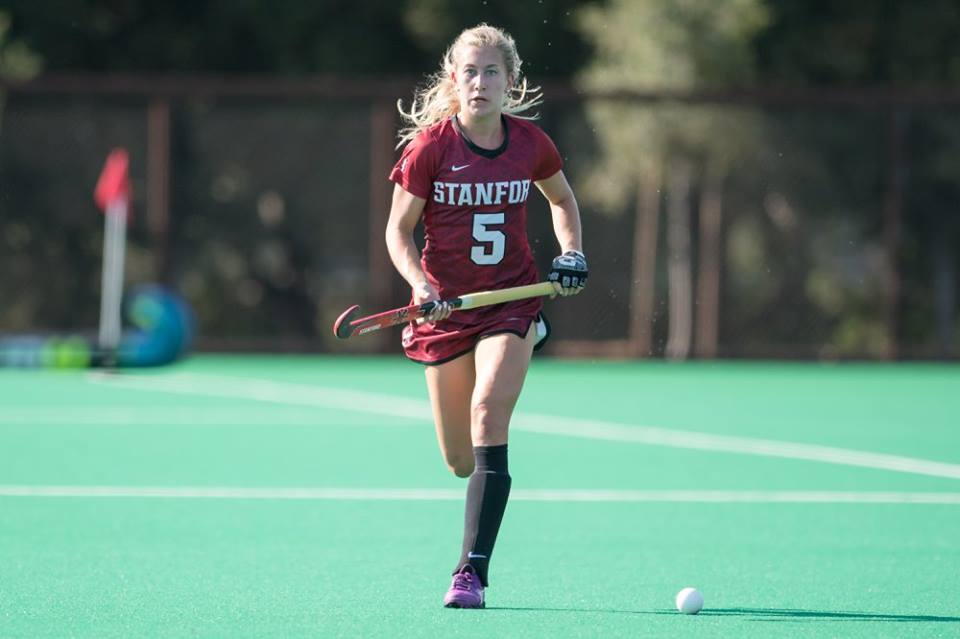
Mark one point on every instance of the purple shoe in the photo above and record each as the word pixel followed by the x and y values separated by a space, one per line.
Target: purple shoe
pixel 466 591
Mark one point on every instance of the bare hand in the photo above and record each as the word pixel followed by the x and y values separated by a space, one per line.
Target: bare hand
pixel 423 293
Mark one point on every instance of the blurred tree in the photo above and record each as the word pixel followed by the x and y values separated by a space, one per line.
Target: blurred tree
pixel 821 43
pixel 373 37
pixel 222 36
pixel 17 60
pixel 670 45
pixel 932 227
pixel 851 178
pixel 902 44
pixel 546 32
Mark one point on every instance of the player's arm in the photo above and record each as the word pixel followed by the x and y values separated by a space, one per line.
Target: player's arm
pixel 569 272
pixel 564 210
pixel 405 212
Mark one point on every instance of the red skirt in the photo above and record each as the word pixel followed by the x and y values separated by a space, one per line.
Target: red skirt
pixel 457 335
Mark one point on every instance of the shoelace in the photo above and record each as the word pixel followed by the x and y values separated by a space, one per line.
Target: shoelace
pixel 462 581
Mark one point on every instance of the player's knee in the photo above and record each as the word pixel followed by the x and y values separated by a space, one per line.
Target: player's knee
pixel 483 411
pixel 488 422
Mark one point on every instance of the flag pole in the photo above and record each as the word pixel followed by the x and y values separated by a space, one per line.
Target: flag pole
pixel 112 194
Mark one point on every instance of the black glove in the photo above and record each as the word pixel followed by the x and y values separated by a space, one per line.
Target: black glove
pixel 569 271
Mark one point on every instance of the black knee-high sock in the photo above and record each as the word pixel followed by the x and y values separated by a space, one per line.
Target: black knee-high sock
pixel 487 491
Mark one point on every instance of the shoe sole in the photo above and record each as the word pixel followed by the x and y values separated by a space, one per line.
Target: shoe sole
pixel 454 604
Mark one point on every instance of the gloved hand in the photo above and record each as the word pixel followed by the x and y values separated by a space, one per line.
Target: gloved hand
pixel 569 273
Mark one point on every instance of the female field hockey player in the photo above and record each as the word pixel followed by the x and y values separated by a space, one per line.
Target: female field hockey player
pixel 466 173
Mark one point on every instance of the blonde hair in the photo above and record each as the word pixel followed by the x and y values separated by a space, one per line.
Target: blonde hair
pixel 438 100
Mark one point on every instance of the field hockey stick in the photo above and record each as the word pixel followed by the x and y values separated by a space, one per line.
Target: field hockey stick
pixel 348 324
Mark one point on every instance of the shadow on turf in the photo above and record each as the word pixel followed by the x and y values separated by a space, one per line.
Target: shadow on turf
pixel 766 614
pixel 790 613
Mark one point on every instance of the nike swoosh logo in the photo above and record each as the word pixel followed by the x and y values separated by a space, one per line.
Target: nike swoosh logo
pixel 456 168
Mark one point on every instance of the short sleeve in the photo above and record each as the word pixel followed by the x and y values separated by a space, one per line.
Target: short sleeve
pixel 415 169
pixel 548 157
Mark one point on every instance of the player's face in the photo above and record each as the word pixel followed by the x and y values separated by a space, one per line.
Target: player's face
pixel 481 80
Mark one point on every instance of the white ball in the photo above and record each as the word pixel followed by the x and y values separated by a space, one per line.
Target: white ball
pixel 689 601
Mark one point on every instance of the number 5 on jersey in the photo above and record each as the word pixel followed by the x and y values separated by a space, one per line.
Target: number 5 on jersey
pixel 494 241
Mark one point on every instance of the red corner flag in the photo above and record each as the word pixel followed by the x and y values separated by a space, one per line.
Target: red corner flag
pixel 114 182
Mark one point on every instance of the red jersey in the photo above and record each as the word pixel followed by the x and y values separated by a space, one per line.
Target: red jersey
pixel 475 218
pixel 475 226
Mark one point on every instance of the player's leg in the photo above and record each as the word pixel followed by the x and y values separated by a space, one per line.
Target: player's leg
pixel 501 365
pixel 450 386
